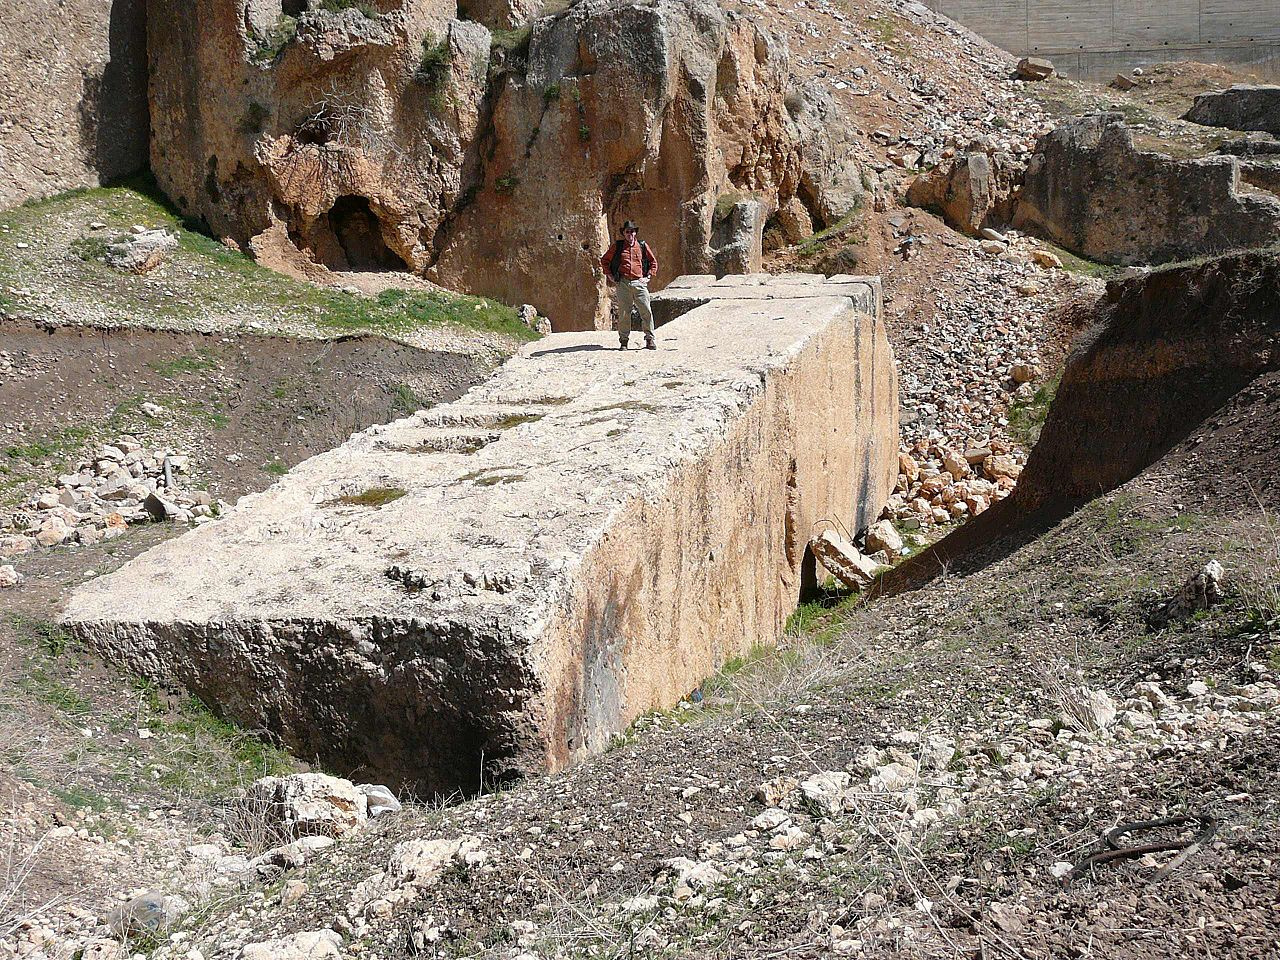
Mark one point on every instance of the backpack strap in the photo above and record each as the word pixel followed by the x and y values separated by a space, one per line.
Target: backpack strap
pixel 646 258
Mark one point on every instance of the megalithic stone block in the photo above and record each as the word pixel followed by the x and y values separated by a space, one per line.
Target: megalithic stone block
pixel 506 581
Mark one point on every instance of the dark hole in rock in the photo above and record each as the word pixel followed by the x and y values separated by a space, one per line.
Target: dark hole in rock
pixel 293 8
pixel 358 234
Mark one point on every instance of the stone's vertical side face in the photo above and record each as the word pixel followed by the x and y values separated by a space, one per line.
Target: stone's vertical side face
pixel 711 568
pixel 73 82
pixel 505 581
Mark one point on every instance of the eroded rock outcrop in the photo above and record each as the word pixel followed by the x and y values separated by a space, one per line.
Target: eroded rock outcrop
pixel 1089 189
pixel 1242 107
pixel 404 138
pixel 510 579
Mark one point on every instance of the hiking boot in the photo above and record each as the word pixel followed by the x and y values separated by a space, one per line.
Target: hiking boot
pixel 623 345
pixel 650 343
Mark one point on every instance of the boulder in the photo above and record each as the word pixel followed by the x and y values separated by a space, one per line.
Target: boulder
pixel 884 536
pixel 313 945
pixel 141 252
pixel 1034 69
pixel 969 192
pixel 147 913
pixel 1242 107
pixel 9 576
pixel 843 560
pixel 419 609
pixel 1090 190
pixel 379 798
pixel 307 804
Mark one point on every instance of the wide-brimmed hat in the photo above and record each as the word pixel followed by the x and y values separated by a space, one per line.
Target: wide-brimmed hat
pixel 629 225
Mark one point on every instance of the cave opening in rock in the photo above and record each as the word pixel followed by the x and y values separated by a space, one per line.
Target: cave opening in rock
pixel 293 8
pixel 359 235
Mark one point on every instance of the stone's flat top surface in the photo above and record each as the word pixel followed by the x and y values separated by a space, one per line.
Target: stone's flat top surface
pixel 490 501
pixel 764 286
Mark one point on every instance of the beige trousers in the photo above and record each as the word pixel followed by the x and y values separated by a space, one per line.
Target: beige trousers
pixel 635 293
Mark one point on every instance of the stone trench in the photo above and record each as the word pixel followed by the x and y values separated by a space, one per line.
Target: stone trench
pixel 505 582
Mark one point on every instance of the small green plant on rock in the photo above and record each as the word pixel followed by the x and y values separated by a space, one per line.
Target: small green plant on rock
pixel 506 186
pixel 337 6
pixel 270 46
pixel 435 66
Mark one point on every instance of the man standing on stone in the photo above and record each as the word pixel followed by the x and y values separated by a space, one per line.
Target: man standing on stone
pixel 629 263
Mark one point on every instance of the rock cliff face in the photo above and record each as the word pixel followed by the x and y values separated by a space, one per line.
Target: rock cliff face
pixel 1091 190
pixel 73 86
pixel 398 136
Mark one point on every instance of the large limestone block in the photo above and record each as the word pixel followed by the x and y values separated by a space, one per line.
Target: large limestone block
pixel 506 581
pixel 1089 189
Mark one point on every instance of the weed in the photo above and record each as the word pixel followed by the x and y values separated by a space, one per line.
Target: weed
pixel 515 420
pixel 815 244
pixel 551 93
pixel 404 401
pixel 435 66
pixel 90 249
pixel 505 186
pixel 1027 417
pixel 373 497
pixel 190 363
pixel 337 6
pixel 51 446
pixel 727 201
pixel 269 46
pixel 275 468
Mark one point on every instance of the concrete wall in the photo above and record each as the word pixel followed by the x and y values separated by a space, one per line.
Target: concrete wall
pixel 73 95
pixel 1098 38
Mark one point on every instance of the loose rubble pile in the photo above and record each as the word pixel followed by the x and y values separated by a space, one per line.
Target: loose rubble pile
pixel 303 814
pixel 940 484
pixel 125 483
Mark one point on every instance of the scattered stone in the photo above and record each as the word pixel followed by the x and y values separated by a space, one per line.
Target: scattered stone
pixel 314 945
pixel 1034 69
pixel 776 792
pixel 147 913
pixel 380 799
pixel 9 576
pixel 883 535
pixel 843 560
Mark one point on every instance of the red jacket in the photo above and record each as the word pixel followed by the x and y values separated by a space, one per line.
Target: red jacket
pixel 632 260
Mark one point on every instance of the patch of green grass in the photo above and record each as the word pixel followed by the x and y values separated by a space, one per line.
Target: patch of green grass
pixel 816 244
pixel 208 281
pixel 52 446
pixel 337 6
pixel 551 93
pixel 1081 265
pixel 402 310
pixel 1027 417
pixel 90 249
pixel 728 200
pixel 189 363
pixel 211 756
pixel 405 401
pixel 516 420
pixel 512 42
pixel 76 796
pixel 505 186
pixel 373 497
pixel 275 468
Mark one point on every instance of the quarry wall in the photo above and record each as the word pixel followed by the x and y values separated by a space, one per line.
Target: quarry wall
pixel 1098 38
pixel 508 580
pixel 73 95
